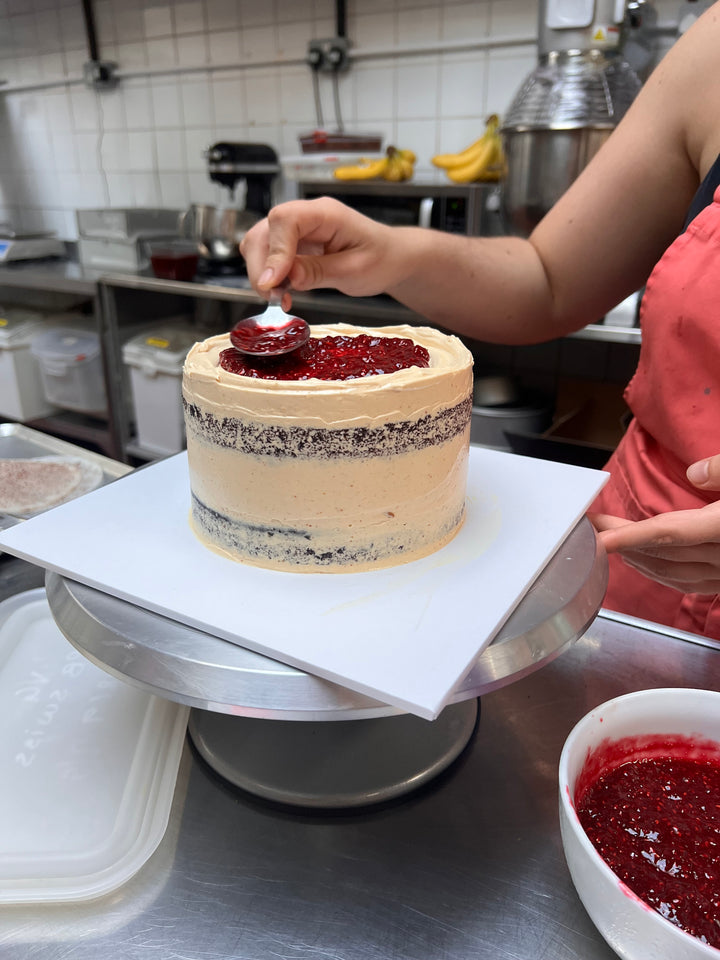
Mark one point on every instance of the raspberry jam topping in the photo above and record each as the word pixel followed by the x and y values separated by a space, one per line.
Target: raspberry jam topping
pixel 331 358
pixel 655 820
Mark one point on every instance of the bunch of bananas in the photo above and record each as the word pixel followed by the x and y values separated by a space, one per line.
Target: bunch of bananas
pixel 483 160
pixel 395 166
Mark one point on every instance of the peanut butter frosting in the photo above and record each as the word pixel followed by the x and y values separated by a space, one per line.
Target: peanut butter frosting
pixel 402 395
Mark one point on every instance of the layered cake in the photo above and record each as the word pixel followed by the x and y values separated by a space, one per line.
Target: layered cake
pixel 348 454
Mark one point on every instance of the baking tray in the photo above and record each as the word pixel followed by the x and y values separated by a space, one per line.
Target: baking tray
pixel 18 442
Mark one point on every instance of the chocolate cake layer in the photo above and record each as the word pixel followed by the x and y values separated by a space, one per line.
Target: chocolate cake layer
pixel 290 547
pixel 272 440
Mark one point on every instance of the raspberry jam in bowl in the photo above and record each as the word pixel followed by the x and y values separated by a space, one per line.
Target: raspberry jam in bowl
pixel 639 783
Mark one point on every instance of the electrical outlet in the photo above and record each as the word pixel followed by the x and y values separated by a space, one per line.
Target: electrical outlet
pixel 329 55
pixel 315 54
pixel 100 74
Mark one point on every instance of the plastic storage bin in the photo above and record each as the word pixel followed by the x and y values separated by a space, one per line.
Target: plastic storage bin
pixel 21 390
pixel 71 369
pixel 155 361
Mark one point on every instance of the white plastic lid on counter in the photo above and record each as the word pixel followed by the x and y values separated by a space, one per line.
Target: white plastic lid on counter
pixel 88 764
pixel 65 345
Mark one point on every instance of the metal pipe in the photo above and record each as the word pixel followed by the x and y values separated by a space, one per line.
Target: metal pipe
pixel 90 32
pixel 340 18
pixel 357 55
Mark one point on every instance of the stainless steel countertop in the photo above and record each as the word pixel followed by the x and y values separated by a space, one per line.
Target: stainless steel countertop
pixel 469 867
pixel 54 274
pixel 69 276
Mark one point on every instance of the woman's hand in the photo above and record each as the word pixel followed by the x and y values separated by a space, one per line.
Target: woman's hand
pixel 320 243
pixel 492 288
pixel 679 549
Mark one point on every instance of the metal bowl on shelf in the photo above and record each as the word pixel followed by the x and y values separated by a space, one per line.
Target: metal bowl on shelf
pixel 501 405
pixel 495 391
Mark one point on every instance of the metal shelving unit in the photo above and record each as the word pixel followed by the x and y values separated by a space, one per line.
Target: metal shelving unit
pixel 124 303
pixel 63 284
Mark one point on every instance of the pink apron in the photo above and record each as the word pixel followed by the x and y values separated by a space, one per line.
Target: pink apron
pixel 675 399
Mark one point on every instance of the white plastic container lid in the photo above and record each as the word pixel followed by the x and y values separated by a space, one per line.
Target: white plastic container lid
pixel 88 764
pixel 160 350
pixel 66 345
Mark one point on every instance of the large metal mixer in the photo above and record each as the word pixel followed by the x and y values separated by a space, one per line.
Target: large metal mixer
pixel 567 107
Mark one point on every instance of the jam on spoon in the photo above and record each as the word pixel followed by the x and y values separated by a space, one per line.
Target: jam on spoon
pixel 272 332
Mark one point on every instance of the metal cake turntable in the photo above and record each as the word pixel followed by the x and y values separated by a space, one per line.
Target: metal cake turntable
pixel 294 738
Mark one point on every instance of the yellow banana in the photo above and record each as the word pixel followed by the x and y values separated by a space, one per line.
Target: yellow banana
pixel 449 161
pixel 397 171
pixel 400 166
pixel 477 168
pixel 445 161
pixel 365 170
pixel 396 165
pixel 495 171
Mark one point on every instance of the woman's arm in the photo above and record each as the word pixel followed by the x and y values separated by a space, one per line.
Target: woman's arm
pixel 596 246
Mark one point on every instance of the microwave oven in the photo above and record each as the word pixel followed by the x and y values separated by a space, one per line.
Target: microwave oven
pixel 473 209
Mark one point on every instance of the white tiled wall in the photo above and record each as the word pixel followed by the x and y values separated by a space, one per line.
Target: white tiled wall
pixel 426 74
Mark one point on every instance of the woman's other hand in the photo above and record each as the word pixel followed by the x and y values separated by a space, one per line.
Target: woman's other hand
pixel 679 549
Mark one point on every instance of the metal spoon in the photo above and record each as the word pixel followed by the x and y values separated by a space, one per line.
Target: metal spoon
pixel 272 332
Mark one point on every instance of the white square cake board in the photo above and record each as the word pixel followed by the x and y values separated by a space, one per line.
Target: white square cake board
pixel 404 635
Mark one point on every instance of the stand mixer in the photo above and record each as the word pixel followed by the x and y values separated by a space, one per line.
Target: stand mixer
pixel 219 232
pixel 256 163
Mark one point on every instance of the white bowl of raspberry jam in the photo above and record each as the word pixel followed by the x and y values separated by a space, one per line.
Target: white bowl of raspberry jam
pixel 639 785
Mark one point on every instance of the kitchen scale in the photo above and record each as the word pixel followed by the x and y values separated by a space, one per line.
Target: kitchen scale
pixel 30 246
pixel 290 737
